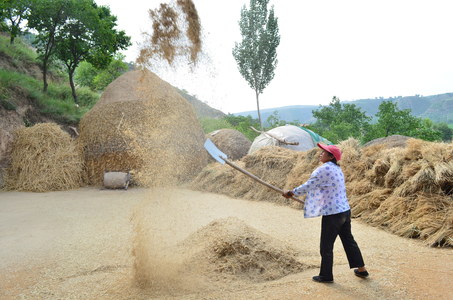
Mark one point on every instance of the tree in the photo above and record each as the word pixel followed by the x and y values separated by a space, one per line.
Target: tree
pixel 88 35
pixel 445 131
pixel 47 17
pixel 98 79
pixel 392 121
pixel 256 54
pixel 337 122
pixel 14 12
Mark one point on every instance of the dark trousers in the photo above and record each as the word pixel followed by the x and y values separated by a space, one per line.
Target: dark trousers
pixel 333 225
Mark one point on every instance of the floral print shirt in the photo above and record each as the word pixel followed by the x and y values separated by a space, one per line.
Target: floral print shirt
pixel 326 192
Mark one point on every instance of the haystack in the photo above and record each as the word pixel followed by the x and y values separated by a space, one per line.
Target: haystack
pixel 279 135
pixel 229 247
pixel 272 164
pixel 231 142
pixel 143 126
pixel 389 141
pixel 6 140
pixel 44 158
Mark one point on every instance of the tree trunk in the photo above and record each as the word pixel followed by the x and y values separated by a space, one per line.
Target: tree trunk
pixel 71 82
pixel 44 75
pixel 258 109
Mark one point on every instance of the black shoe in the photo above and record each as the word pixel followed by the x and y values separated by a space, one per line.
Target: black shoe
pixel 363 274
pixel 322 279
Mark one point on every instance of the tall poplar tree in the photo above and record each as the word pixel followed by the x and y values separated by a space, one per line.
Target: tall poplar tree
pixel 256 54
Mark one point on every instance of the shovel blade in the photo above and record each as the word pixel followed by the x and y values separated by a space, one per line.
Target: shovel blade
pixel 215 152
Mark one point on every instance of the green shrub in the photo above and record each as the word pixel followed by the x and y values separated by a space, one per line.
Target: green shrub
pixel 86 97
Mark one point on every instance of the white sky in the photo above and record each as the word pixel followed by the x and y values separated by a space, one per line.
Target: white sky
pixel 351 49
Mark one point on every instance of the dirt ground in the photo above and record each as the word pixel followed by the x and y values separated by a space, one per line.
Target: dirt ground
pixel 80 245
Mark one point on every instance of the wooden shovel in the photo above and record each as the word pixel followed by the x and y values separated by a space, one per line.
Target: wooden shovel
pixel 223 159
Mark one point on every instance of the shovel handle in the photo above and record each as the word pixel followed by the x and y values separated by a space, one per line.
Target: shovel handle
pixel 258 179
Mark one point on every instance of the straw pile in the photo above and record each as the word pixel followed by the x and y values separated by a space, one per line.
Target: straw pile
pixel 44 158
pixel 231 142
pixel 6 139
pixel 390 141
pixel 405 190
pixel 143 126
pixel 232 249
pixel 272 164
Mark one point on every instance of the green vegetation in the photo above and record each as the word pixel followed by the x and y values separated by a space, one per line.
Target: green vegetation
pixel 337 122
pixel 98 79
pixel 240 123
pixel 57 103
pixel 256 54
pixel 18 53
pixel 67 32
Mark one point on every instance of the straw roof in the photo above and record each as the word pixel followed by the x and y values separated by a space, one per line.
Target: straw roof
pixel 405 190
pixel 231 142
pixel 141 124
pixel 44 158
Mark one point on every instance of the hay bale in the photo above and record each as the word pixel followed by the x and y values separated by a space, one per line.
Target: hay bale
pixel 142 125
pixel 44 158
pixel 229 247
pixel 231 142
pixel 389 141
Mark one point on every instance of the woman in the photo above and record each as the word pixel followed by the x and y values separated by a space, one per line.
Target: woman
pixel 326 197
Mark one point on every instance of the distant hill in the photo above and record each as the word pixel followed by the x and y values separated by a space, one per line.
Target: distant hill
pixel 438 108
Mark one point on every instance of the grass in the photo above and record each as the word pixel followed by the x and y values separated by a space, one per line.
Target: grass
pixel 18 88
pixel 19 52
pixel 57 103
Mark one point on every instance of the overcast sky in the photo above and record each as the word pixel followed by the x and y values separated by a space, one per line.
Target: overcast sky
pixel 352 49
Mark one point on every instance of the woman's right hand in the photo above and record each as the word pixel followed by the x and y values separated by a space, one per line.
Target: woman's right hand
pixel 288 194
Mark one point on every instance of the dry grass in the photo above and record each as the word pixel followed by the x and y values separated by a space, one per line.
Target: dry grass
pixel 167 41
pixel 44 158
pixel 143 126
pixel 406 190
pixel 231 142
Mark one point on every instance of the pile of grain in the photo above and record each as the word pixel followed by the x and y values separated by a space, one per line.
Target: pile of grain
pixel 406 190
pixel 232 249
pixel 44 158
pixel 143 126
pixel 231 142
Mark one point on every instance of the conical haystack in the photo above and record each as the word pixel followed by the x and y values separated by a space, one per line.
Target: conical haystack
pixel 141 124
pixel 231 142
pixel 44 158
